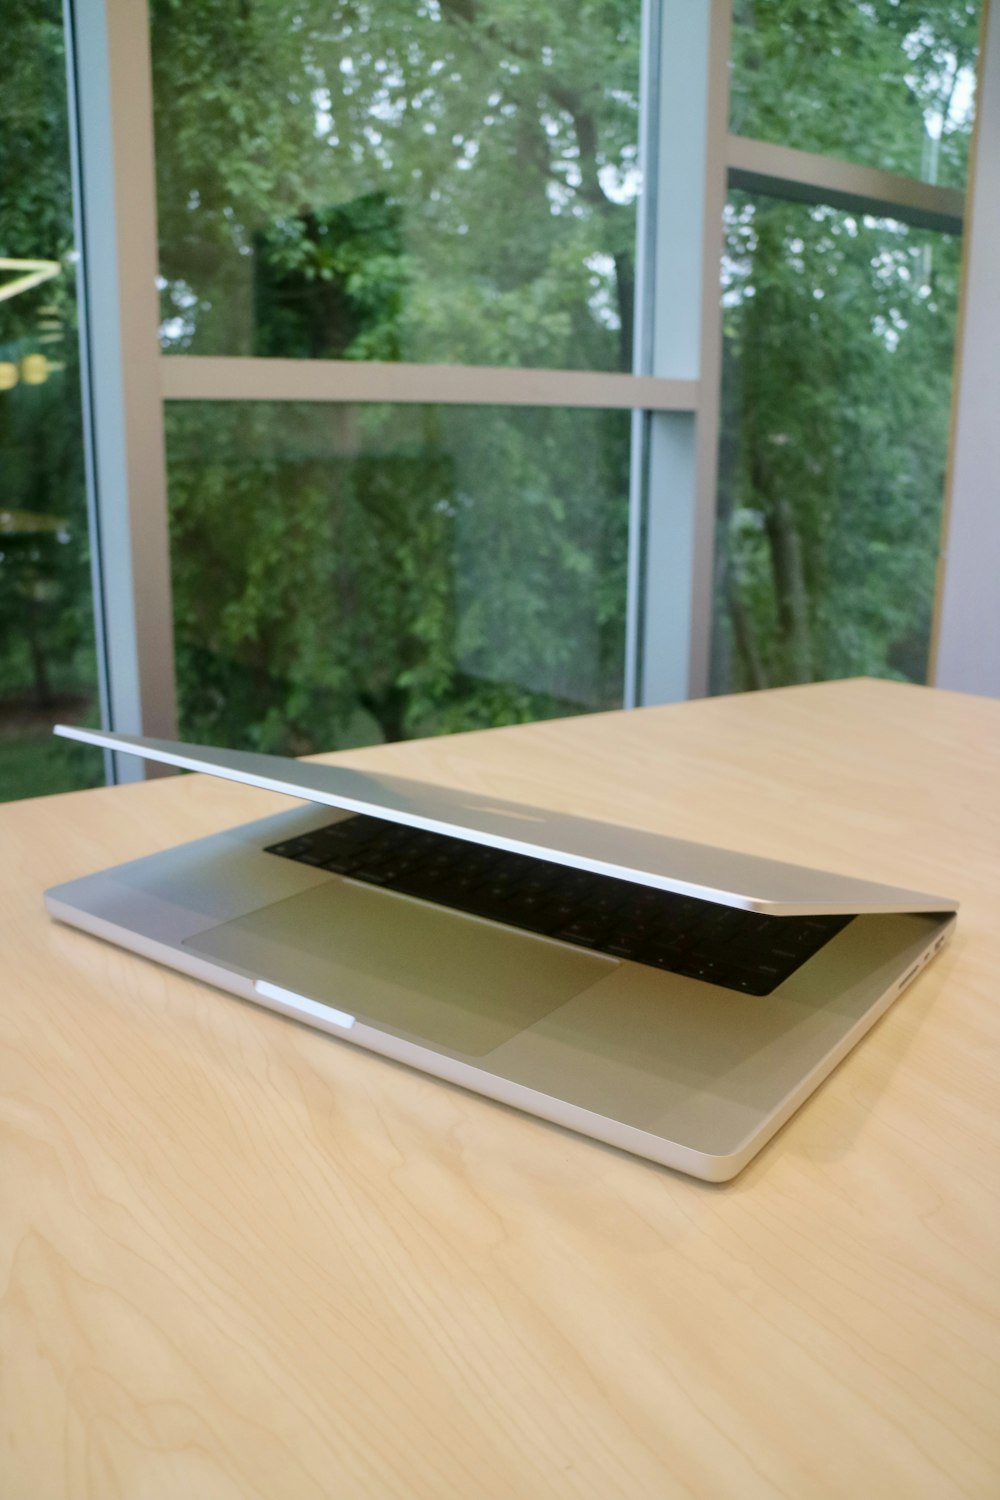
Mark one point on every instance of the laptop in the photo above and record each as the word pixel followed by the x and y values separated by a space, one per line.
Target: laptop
pixel 674 1000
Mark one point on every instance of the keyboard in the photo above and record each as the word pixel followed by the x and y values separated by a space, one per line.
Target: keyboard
pixel 740 950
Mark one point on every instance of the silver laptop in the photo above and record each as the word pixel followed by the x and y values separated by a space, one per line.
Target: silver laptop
pixel 671 999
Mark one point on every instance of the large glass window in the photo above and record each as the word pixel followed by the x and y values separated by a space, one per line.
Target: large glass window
pixel 438 182
pixel 47 657
pixel 349 574
pixel 455 183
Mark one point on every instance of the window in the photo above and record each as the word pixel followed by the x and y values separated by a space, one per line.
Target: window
pixel 836 392
pixel 442 182
pixel 451 187
pixel 417 401
pixel 839 316
pixel 48 667
pixel 397 571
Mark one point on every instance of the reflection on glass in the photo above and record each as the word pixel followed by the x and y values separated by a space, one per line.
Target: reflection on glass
pixel 451 181
pixel 47 663
pixel 836 394
pixel 878 82
pixel 346 575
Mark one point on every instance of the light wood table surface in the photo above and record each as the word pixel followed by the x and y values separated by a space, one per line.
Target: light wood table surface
pixel 239 1258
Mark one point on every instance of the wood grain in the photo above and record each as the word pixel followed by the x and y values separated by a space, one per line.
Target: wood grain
pixel 241 1259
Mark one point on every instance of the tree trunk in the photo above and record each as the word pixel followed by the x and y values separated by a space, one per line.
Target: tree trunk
pixel 39 664
pixel 790 589
pixel 746 642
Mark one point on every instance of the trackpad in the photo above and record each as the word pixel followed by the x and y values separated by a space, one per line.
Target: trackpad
pixel 451 980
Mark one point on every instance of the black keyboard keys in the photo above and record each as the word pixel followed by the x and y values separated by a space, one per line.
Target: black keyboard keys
pixel 745 951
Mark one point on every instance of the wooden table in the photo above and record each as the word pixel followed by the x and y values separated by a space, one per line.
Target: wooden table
pixel 240 1258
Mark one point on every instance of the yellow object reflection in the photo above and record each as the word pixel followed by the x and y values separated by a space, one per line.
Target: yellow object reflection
pixel 34 272
pixel 34 369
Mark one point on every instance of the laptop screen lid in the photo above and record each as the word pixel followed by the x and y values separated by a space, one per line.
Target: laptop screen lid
pixel 700 870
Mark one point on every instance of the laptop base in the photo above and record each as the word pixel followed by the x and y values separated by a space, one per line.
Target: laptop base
pixel 683 1072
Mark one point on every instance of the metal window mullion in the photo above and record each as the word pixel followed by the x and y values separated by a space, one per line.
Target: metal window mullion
pixel 673 515
pixel 642 345
pixel 116 212
pixel 191 377
pixel 965 654
pixel 86 384
pixel 785 172
pixel 702 604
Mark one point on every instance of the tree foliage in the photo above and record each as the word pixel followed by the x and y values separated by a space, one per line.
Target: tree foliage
pixel 881 82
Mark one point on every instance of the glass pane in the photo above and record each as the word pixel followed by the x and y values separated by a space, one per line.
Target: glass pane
pixel 439 182
pixel 836 395
pixel 885 83
pixel 350 574
pixel 47 660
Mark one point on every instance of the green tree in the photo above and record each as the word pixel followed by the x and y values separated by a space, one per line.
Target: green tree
pixel 871 81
